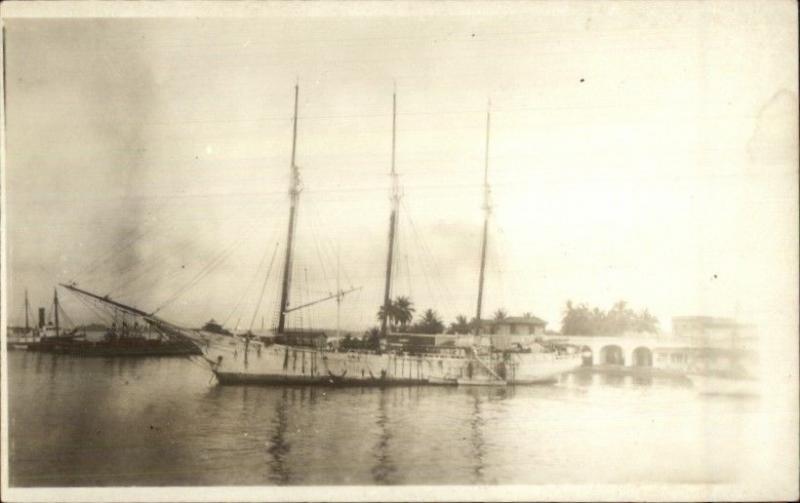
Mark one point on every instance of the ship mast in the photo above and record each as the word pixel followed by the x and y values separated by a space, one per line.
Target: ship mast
pixel 294 193
pixel 27 309
pixel 392 225
pixel 487 209
pixel 55 309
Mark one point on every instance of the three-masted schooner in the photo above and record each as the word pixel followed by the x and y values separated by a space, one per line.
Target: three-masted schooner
pixel 245 359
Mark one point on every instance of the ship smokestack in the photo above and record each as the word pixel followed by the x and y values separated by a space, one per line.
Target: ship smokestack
pixel 41 317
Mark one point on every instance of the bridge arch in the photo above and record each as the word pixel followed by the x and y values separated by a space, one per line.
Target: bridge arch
pixel 612 355
pixel 587 356
pixel 642 357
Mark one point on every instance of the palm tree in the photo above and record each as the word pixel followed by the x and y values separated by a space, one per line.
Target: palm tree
pixel 646 322
pixel 389 313
pixel 400 311
pixel 500 315
pixel 460 326
pixel 372 338
pixel 403 311
pixel 430 323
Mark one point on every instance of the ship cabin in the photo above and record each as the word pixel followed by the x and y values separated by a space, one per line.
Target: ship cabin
pixel 514 332
pixel 307 338
pixel 423 343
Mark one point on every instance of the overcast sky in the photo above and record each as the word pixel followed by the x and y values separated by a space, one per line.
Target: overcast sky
pixel 639 151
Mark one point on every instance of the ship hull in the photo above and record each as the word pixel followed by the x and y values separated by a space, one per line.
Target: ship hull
pixel 235 361
pixel 115 349
pixel 235 378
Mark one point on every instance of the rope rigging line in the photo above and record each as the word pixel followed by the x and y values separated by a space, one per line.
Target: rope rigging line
pixel 250 284
pixel 207 269
pixel 66 316
pixel 325 248
pixel 89 304
pixel 408 277
pixel 497 253
pixel 158 278
pixel 436 267
pixel 218 260
pixel 263 287
pixel 124 243
pixel 246 290
pixel 425 272
pixel 433 263
pixel 316 239
pixel 326 253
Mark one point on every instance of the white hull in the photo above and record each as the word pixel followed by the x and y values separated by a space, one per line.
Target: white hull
pixel 235 361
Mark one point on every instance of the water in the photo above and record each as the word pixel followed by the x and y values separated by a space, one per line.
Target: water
pixel 161 421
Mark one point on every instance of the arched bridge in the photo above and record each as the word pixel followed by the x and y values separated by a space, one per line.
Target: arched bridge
pixel 635 350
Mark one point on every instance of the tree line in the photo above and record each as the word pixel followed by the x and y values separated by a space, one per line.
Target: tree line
pixel 582 320
pixel 577 320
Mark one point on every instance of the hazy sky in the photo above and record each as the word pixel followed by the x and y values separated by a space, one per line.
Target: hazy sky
pixel 639 151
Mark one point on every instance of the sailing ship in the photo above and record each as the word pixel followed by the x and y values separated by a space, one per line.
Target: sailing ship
pixel 301 358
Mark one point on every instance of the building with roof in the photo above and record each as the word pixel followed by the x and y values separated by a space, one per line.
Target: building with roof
pixel 710 330
pixel 513 331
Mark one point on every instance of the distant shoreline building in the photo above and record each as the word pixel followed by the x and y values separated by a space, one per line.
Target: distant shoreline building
pixel 513 331
pixel 713 331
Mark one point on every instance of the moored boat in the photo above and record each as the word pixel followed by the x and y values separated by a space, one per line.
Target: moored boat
pixel 21 338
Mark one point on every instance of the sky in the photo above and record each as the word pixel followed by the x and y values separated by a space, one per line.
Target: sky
pixel 638 152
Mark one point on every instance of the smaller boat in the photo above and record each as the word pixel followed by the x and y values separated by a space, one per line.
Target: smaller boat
pixel 148 339
pixel 480 373
pixel 21 338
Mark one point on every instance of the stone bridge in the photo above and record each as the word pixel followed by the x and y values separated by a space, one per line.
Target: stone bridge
pixel 635 350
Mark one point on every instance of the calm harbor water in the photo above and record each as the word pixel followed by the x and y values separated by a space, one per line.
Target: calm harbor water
pixel 164 421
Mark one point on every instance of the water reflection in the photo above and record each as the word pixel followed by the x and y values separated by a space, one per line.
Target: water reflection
pixel 384 469
pixel 74 422
pixel 38 362
pixel 580 378
pixel 643 380
pixel 53 367
pixel 476 439
pixel 279 446
pixel 612 379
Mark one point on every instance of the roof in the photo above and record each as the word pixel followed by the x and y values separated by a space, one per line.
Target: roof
pixel 516 320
